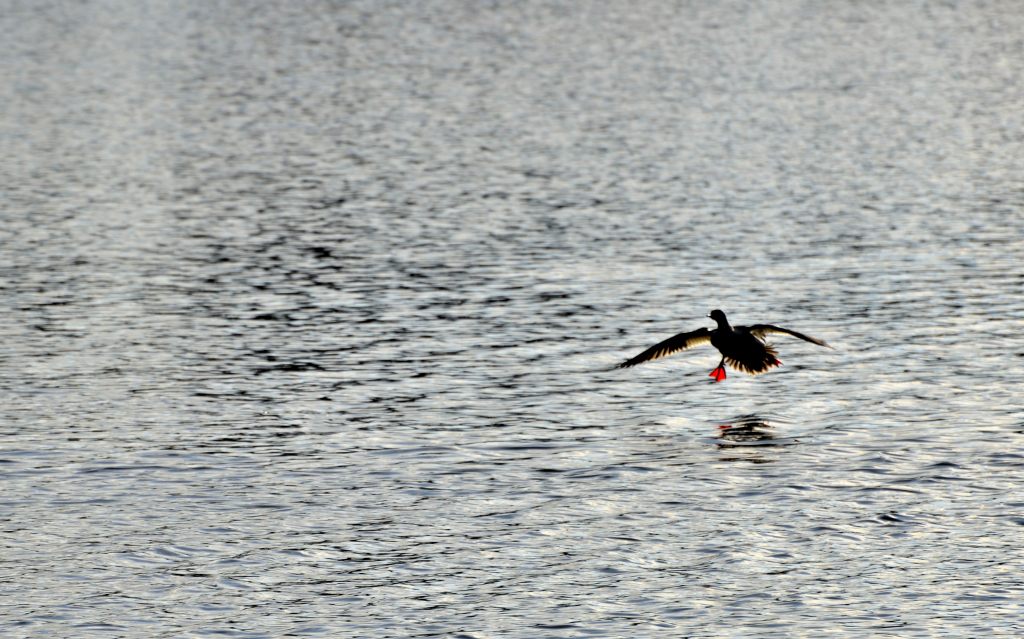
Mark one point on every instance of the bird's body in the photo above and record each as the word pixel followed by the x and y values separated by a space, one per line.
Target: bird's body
pixel 742 347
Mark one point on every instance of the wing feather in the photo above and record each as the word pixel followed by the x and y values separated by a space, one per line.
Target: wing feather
pixel 761 330
pixel 674 344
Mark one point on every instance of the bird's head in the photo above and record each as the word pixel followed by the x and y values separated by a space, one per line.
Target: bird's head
pixel 719 317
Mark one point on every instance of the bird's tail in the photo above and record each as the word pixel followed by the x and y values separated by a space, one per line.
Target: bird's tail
pixel 758 363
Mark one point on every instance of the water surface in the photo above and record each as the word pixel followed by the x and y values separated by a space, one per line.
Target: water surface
pixel 311 314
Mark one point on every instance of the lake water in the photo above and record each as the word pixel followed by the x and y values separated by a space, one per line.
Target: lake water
pixel 311 311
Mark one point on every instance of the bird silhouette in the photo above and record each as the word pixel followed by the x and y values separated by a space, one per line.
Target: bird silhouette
pixel 742 347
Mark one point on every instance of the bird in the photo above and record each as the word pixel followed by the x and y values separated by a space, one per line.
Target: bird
pixel 743 347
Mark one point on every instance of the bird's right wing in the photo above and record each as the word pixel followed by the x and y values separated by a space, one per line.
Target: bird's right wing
pixel 680 342
pixel 761 330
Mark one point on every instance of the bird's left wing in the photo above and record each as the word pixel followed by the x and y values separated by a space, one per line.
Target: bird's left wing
pixel 674 344
pixel 761 330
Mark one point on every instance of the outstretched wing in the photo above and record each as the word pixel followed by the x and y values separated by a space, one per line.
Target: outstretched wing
pixel 761 330
pixel 680 342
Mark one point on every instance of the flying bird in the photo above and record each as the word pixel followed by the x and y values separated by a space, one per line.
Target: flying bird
pixel 742 347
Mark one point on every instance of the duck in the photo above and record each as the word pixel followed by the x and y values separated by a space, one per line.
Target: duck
pixel 742 347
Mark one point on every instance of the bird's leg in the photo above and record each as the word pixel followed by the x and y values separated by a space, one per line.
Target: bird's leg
pixel 719 372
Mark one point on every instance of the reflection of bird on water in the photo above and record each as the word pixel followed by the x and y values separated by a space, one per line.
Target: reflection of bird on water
pixel 746 430
pixel 751 430
pixel 742 347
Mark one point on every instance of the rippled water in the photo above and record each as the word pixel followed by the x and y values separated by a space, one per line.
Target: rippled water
pixel 312 311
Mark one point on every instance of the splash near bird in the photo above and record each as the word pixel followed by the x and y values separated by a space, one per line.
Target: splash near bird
pixel 742 347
